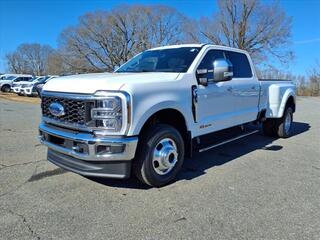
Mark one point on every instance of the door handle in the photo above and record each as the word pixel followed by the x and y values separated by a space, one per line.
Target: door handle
pixel 253 87
pixel 229 89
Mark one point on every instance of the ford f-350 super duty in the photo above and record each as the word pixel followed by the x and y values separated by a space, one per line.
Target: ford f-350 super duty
pixel 156 109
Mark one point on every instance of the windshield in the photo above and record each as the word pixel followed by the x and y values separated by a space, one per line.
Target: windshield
pixel 164 60
pixel 43 79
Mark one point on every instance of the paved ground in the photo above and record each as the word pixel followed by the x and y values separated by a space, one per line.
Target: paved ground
pixel 256 188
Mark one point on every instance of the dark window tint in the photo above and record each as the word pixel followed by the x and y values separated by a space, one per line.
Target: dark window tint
pixel 207 61
pixel 241 66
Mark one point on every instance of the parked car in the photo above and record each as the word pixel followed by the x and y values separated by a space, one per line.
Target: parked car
pixel 6 84
pixel 28 88
pixel 37 87
pixel 159 106
pixel 17 86
pixel 4 76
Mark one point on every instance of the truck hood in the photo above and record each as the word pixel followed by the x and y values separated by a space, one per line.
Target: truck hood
pixel 90 83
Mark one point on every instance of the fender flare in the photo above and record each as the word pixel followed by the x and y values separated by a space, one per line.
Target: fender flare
pixel 289 93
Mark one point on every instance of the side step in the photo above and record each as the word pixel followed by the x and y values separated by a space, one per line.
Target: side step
pixel 227 141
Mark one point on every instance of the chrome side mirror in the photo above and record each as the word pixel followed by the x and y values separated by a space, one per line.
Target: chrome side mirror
pixel 202 76
pixel 222 70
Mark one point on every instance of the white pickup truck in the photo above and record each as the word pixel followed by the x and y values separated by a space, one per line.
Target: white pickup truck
pixel 160 106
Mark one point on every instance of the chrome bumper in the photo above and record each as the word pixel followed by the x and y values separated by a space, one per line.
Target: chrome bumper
pixel 68 142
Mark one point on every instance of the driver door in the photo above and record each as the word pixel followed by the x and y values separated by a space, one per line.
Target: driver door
pixel 215 102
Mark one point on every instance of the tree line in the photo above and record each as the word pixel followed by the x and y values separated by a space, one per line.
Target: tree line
pixel 102 40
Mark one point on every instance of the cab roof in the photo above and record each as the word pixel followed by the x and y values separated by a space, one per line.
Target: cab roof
pixel 200 45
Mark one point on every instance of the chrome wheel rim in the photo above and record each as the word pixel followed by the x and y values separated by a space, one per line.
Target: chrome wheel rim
pixel 287 123
pixel 165 156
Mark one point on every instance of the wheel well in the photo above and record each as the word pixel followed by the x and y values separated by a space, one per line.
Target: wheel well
pixel 171 117
pixel 291 103
pixel 5 85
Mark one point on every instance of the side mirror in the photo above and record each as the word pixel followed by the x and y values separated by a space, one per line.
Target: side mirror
pixel 222 70
pixel 202 76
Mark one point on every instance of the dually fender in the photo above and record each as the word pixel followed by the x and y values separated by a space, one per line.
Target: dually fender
pixel 143 115
pixel 288 93
pixel 277 98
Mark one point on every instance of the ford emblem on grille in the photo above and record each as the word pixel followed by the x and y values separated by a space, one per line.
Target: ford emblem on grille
pixel 56 109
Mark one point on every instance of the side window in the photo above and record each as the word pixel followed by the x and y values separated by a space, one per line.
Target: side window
pixel 18 79
pixel 241 66
pixel 207 61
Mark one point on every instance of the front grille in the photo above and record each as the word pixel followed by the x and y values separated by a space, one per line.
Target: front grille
pixel 76 111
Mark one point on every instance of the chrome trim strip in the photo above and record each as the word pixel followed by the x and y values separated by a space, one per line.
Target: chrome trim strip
pixel 92 141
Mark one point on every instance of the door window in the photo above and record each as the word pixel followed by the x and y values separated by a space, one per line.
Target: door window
pixel 241 66
pixel 207 61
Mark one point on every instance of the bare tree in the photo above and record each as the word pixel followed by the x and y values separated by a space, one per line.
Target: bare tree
pixel 29 58
pixel 314 80
pixel 16 63
pixel 263 29
pixel 56 64
pixel 105 39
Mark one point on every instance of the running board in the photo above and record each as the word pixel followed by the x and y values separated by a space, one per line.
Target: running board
pixel 227 141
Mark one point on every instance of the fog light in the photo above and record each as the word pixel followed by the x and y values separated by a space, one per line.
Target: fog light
pixel 108 149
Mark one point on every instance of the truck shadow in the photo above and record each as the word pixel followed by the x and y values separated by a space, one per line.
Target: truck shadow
pixel 200 162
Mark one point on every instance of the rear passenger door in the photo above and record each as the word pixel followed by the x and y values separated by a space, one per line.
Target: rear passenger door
pixel 245 88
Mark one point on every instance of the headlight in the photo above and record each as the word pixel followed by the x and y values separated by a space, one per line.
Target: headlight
pixel 111 112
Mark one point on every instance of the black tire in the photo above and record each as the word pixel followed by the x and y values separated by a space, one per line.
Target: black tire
pixel 277 127
pixel 282 130
pixel 5 88
pixel 144 165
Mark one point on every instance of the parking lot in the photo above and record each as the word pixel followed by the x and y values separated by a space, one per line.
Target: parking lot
pixel 254 188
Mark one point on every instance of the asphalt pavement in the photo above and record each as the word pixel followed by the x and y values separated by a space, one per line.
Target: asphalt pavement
pixel 254 188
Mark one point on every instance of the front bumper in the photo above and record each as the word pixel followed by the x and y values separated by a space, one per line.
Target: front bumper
pixel 119 169
pixel 16 89
pixel 27 91
pixel 87 154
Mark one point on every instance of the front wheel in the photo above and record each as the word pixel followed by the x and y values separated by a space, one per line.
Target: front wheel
pixel 160 155
pixel 6 88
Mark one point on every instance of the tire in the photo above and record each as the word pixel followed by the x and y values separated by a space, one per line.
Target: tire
pixel 285 124
pixel 279 127
pixel 6 88
pixel 160 155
